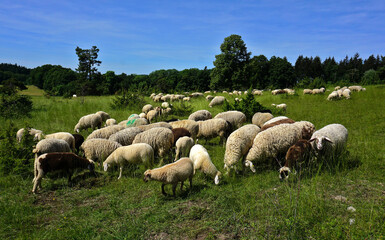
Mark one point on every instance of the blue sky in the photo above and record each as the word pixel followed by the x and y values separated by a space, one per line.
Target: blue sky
pixel 143 36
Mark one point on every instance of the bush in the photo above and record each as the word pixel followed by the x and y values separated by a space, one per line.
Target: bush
pixel 130 100
pixel 15 106
pixel 370 77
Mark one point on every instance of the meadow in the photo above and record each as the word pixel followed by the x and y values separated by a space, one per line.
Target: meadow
pixel 244 206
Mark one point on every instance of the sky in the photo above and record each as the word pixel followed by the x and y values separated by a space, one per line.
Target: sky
pixel 143 36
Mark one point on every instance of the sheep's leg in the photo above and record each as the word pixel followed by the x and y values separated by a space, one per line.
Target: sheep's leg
pixel 181 185
pixel 191 177
pixel 120 174
pixel 163 192
pixel 37 182
pixel 174 188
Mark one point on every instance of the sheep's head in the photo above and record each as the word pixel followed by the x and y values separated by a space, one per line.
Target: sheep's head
pixel 218 178
pixel 147 176
pixel 91 165
pixel 250 165
pixel 284 173
pixel 320 142
pixel 105 166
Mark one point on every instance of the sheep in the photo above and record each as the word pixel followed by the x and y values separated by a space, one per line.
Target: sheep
pixel 333 95
pixel 218 100
pixel 355 88
pixel 238 144
pixel 110 122
pixel 166 110
pixel 191 125
pixel 103 115
pixel 98 148
pixel 280 106
pixel 133 116
pixel 183 146
pixel 134 122
pixel 276 140
pixel 260 118
pixel 172 173
pixel 55 161
pixel 79 139
pixel 160 139
pixel 200 115
pixel 235 118
pixel 180 132
pixel 142 115
pixel 289 91
pixel 68 137
pixel 165 105
pixel 152 114
pixel 146 108
pixel 346 93
pixel 153 125
pixel 336 88
pixel 89 121
pixel 212 128
pixel 307 91
pixel 105 132
pixel 126 136
pixel 329 140
pixel 209 97
pixel 37 134
pixel 186 99
pixel 278 91
pixel 51 145
pixel 257 92
pixel 298 153
pixel 275 119
pixel 139 153
pixel 202 161
pixel 285 120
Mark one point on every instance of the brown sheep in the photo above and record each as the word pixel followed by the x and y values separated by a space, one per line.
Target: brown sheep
pixel 298 153
pixel 286 120
pixel 180 132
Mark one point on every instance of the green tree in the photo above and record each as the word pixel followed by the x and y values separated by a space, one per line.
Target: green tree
pixel 259 71
pixel 230 69
pixel 370 77
pixel 87 67
pixel 281 73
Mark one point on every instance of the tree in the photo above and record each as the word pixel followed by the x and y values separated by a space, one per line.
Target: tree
pixel 281 73
pixel 87 67
pixel 259 71
pixel 230 69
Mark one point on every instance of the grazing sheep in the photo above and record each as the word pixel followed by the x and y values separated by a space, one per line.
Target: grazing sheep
pixel 278 91
pixel 134 122
pixel 105 132
pixel 186 99
pixel 142 115
pixel 275 141
pixel 165 105
pixel 355 88
pixel 218 100
pixel 125 136
pixel 99 148
pixel 209 97
pixel 191 125
pixel 68 137
pixel 212 128
pixel 58 161
pixel 307 91
pixel 260 118
pixel 183 146
pixel 286 120
pixel 103 115
pixel 257 92
pixel 180 132
pixel 346 93
pixel 330 139
pixel 238 144
pixel 172 173
pixel 79 139
pixel 202 161
pixel 139 153
pixel 235 118
pixel 333 95
pixel 146 108
pixel 289 91
pixel 275 119
pixel 160 139
pixel 89 121
pixel 110 122
pixel 298 153
pixel 280 106
pixel 133 116
pixel 154 125
pixel 51 145
pixel 37 134
pixel 152 114
pixel 200 115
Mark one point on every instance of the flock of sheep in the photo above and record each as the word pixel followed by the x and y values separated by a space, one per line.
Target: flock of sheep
pixel 138 140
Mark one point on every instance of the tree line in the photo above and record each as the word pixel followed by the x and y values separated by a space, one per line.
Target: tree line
pixel 234 68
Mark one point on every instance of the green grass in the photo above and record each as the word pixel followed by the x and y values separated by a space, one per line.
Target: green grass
pixel 247 206
pixel 32 91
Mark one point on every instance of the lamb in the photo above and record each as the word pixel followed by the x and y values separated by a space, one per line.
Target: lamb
pixel 329 140
pixel 202 161
pixel 172 173
pixel 103 115
pixel 146 108
pixel 126 136
pixel 89 121
pixel 235 118
pixel 285 120
pixel 190 125
pixel 98 148
pixel 218 100
pixel 66 162
pixel 79 139
pixel 105 132
pixel 110 122
pixel 180 132
pixel 279 118
pixel 276 140
pixel 298 153
pixel 200 115
pixel 183 146
pixel 51 145
pixel 37 134
pixel 152 114
pixel 68 137
pixel 213 128
pixel 154 125
pixel 160 139
pixel 238 144
pixel 260 118
pixel 139 153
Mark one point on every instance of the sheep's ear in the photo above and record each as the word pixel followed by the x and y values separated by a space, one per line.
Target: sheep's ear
pixel 328 140
pixel 312 140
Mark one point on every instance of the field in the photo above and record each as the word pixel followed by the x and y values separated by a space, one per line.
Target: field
pixel 245 206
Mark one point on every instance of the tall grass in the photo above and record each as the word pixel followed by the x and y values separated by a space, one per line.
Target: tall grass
pixel 248 206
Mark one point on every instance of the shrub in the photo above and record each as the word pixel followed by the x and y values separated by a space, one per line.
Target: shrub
pixel 130 100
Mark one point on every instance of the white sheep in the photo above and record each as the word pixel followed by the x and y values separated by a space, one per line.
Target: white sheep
pixel 105 132
pixel 139 153
pixel 66 136
pixel 235 118
pixel 260 118
pixel 51 145
pixel 238 144
pixel 330 139
pixel 186 99
pixel 152 114
pixel 191 125
pixel 154 125
pixel 146 108
pixel 200 115
pixel 209 97
pixel 202 161
pixel 355 88
pixel 89 121
pixel 183 146
pixel 212 128
pixel 103 115
pixel 307 91
pixel 110 122
pixel 142 115
pixel 99 148
pixel 218 100
pixel 134 122
pixel 165 105
pixel 333 95
pixel 280 106
pixel 125 136
pixel 346 93
pixel 159 138
pixel 172 173
pixel 37 134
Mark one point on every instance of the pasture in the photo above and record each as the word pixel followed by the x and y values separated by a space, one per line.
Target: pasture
pixel 246 206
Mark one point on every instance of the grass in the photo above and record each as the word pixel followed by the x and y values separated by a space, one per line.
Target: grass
pixel 245 206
